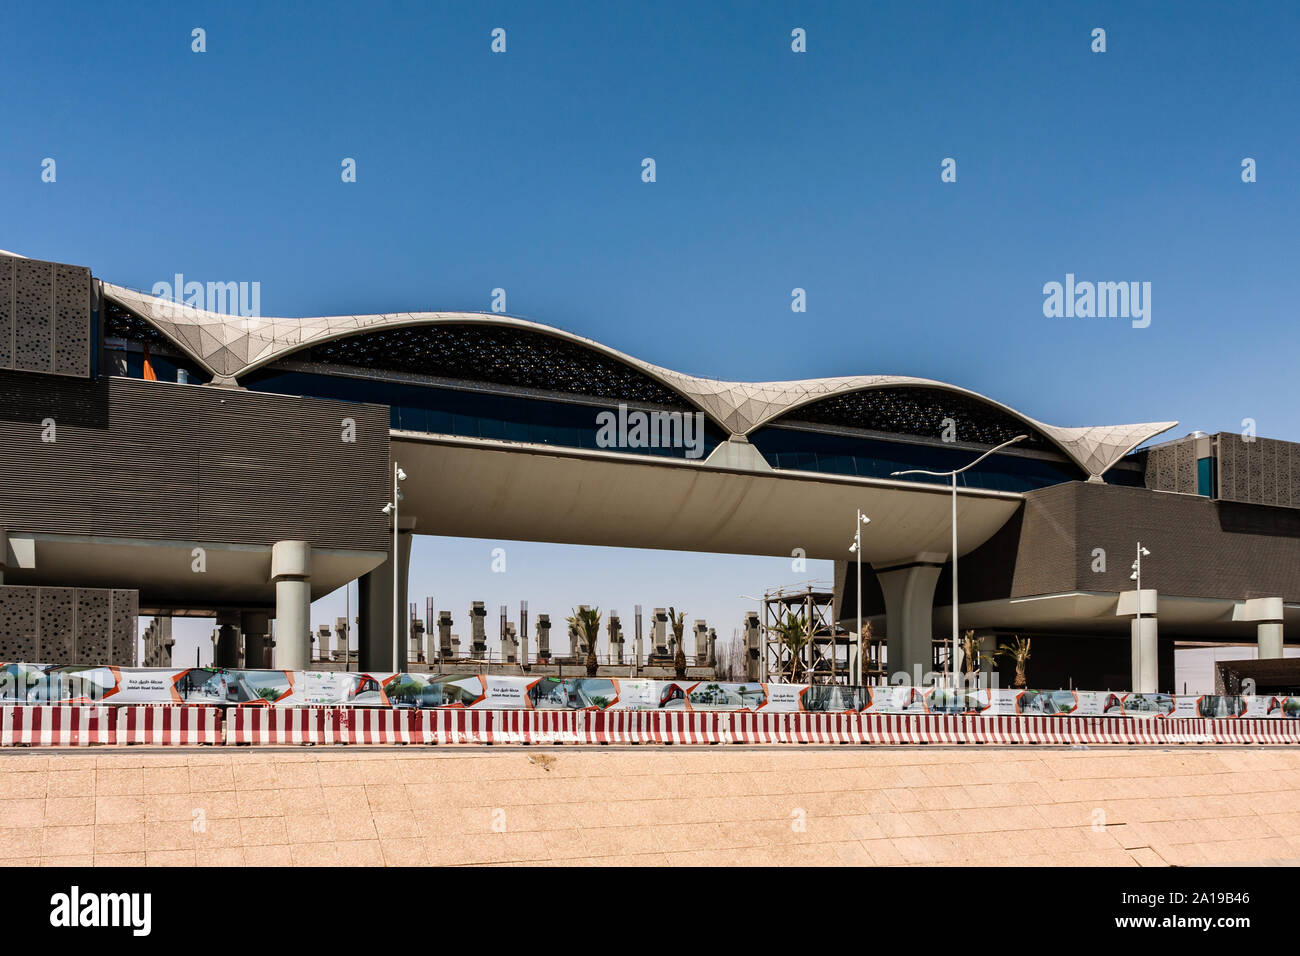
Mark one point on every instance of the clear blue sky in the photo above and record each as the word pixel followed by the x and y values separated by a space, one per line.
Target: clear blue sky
pixel 775 170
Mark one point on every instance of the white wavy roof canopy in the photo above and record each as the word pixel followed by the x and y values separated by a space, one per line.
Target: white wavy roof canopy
pixel 230 347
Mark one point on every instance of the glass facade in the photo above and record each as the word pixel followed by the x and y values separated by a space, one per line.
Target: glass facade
pixel 789 448
pixel 471 414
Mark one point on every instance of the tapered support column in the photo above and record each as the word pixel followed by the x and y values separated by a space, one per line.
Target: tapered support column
pixel 1266 613
pixel 256 626
pixel 1143 635
pixel 226 653
pixel 375 635
pixel 291 572
pixel 909 616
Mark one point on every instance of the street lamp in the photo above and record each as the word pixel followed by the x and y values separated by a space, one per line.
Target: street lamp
pixel 1137 576
pixel 391 509
pixel 856 548
pixel 953 475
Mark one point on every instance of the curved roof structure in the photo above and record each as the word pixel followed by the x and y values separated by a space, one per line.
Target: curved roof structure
pixel 231 346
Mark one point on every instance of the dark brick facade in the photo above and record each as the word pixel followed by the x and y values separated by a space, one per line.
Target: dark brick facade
pixel 155 460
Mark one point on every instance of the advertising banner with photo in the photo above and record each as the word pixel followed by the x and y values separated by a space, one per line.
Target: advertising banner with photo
pixel 238 687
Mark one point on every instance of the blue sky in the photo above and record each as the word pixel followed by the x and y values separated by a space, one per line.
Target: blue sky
pixel 775 170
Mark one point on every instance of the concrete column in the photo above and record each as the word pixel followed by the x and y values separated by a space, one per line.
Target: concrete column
pixel 1143 636
pixel 1267 615
pixel 291 572
pixel 256 626
pixel 341 631
pixel 701 642
pixel 226 653
pixel 543 638
pixel 616 638
pixel 417 640
pixel 659 636
pixel 638 640
pixel 478 630
pixel 444 635
pixel 375 637
pixel 909 615
pixel 753 647
pixel 713 647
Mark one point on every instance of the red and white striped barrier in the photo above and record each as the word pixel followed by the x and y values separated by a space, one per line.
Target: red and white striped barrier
pixel 456 725
pixel 275 726
pixel 370 726
pixel 167 726
pixel 1242 730
pixel 56 726
pixel 1186 730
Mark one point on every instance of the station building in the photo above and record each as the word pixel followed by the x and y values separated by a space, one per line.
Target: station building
pixel 162 459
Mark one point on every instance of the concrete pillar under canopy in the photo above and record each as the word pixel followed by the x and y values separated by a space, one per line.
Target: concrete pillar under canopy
pixel 256 626
pixel 909 615
pixel 1267 615
pixel 1143 636
pixel 226 652
pixel 291 572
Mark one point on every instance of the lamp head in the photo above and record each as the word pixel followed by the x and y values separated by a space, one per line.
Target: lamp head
pixel 388 508
pixel 853 547
pixel 401 475
pixel 865 519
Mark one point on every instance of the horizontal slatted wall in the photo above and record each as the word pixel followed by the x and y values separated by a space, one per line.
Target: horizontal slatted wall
pixel 159 460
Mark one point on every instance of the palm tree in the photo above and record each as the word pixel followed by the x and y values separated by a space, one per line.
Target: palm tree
pixel 1018 652
pixel 585 622
pixel 973 658
pixel 678 623
pixel 794 635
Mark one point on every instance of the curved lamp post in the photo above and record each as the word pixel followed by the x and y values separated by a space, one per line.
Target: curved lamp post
pixel 953 475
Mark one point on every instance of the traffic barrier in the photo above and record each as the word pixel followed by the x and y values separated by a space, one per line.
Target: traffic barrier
pixel 371 726
pixel 457 725
pixel 1242 730
pixel 275 726
pixel 57 726
pixel 169 726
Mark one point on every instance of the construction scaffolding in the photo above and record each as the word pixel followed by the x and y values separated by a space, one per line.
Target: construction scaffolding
pixel 802 644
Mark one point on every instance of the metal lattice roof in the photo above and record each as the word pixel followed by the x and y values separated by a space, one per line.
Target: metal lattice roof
pixel 506 350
